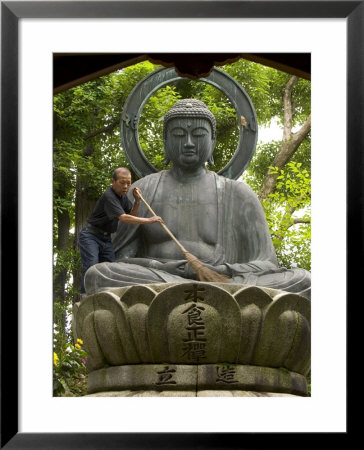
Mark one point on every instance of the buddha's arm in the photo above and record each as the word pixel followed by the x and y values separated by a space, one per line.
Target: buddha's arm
pixel 250 235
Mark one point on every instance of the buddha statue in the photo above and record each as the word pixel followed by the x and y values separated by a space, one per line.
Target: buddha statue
pixel 218 220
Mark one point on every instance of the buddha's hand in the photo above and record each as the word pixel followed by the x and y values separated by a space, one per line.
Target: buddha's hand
pixel 222 269
pixel 174 267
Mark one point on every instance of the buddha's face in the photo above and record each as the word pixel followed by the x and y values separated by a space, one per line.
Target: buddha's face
pixel 189 142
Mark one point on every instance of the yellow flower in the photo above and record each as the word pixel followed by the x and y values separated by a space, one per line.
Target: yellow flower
pixel 78 346
pixel 80 341
pixel 55 359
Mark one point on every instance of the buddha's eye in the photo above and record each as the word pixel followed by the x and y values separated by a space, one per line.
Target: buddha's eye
pixel 199 132
pixel 178 132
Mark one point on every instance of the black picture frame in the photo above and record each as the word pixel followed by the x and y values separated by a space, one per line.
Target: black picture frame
pixel 11 12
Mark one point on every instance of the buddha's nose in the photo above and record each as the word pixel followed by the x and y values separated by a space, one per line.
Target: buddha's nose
pixel 189 143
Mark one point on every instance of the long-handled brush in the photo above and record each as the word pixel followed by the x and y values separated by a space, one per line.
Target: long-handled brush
pixel 203 272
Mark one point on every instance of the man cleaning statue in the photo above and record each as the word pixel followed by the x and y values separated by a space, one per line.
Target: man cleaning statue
pixel 219 220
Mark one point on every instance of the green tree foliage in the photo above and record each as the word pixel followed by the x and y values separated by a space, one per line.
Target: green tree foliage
pixel 151 124
pixel 87 148
pixel 291 235
pixel 85 151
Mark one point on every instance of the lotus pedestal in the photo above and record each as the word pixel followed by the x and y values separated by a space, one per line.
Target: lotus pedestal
pixel 195 339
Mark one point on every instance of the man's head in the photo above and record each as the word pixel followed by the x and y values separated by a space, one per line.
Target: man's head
pixel 121 180
pixel 189 133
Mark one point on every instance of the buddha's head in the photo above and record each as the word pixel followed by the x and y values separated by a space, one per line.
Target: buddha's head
pixel 189 134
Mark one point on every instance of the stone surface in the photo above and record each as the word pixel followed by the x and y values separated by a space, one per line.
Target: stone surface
pixel 195 336
pixel 204 377
pixel 188 394
pixel 143 377
pixel 195 323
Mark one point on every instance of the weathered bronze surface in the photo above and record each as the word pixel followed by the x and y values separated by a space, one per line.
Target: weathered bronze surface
pixel 217 219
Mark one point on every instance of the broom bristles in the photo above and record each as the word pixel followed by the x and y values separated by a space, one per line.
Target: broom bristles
pixel 203 272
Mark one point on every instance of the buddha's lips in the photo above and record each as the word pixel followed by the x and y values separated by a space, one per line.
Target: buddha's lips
pixel 189 153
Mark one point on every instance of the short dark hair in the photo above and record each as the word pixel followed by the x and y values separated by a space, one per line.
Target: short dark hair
pixel 118 170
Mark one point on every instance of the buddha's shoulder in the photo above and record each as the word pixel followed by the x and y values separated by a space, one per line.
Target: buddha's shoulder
pixel 149 179
pixel 236 186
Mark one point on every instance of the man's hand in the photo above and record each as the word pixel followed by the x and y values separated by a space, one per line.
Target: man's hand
pixel 154 219
pixel 137 194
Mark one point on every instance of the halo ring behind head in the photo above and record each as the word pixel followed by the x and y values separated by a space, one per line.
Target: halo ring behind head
pixel 248 128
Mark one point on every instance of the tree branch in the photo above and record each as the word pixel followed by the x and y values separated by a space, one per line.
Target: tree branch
pixel 290 142
pixel 103 130
pixel 288 108
pixel 301 220
pixel 280 235
pixel 299 136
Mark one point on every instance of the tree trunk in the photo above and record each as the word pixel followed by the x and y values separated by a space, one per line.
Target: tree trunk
pixel 290 142
pixel 84 206
pixel 59 283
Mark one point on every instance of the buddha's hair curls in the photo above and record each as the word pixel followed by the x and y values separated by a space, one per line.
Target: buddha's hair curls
pixel 190 107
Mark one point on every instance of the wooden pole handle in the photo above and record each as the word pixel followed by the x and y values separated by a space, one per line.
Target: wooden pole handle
pixel 183 250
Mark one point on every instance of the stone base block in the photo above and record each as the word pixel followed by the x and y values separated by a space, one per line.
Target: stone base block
pixel 212 393
pixel 195 380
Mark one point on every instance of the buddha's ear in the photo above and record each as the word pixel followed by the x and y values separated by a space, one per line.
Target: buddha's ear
pixel 213 144
pixel 211 158
pixel 167 159
pixel 211 161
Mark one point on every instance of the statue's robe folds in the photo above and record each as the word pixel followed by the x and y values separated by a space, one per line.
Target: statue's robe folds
pixel 242 241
